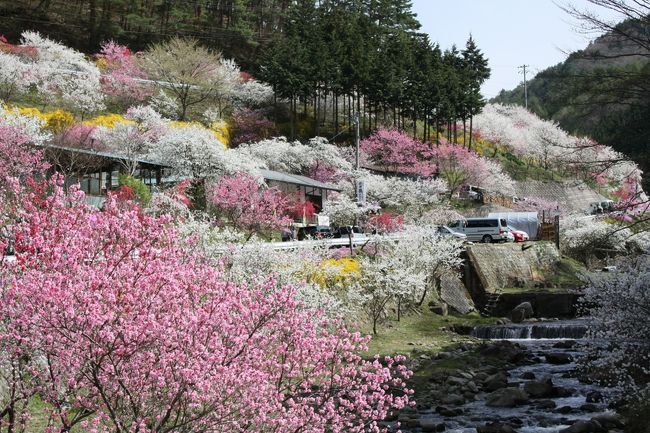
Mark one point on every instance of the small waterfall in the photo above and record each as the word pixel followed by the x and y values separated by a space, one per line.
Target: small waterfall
pixel 533 331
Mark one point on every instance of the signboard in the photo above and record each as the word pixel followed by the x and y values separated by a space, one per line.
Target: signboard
pixel 323 220
pixel 361 191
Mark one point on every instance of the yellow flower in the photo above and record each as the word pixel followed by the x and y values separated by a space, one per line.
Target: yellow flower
pixel 59 120
pixel 101 64
pixel 221 130
pixel 336 272
pixel 56 121
pixel 108 120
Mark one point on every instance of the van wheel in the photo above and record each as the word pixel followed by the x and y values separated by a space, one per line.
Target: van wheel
pixel 487 239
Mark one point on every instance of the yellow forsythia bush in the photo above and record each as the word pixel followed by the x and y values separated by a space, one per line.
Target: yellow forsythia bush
pixel 336 272
pixel 108 120
pixel 56 121
pixel 222 130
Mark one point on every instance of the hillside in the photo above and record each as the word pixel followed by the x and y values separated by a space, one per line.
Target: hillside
pixel 600 91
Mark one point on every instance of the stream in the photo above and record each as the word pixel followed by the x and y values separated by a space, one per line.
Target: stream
pixel 534 391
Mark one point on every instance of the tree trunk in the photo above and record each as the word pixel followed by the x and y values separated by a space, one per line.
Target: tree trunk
pixel 464 129
pixel 336 114
pixel 455 132
pixel 471 121
pixel 292 107
pixel 317 114
pixel 92 23
pixel 415 127
pixel 399 308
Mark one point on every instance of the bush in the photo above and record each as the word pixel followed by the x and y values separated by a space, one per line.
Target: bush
pixel 141 192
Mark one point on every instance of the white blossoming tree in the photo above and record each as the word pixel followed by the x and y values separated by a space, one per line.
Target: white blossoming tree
pixel 402 270
pixel 620 311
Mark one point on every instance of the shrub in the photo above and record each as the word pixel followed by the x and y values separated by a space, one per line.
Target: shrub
pixel 141 192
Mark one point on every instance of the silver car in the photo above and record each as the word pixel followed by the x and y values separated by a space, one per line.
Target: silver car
pixel 446 231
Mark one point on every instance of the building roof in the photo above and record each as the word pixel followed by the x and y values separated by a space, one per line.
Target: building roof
pixel 296 179
pixel 103 154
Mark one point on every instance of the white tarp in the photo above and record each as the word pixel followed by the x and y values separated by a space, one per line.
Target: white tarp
pixel 526 221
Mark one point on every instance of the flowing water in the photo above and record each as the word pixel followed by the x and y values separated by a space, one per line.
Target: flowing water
pixel 543 415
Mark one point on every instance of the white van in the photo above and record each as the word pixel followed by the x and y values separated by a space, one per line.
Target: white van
pixel 485 230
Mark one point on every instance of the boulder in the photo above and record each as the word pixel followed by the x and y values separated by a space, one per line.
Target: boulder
pixel 565 410
pixel 495 381
pixel 545 404
pixel 440 309
pixel 521 312
pixel 582 427
pixel 558 358
pixel 562 392
pixel 609 420
pixel 529 375
pixel 507 397
pixel 540 388
pixel 448 412
pixel 431 425
pixel 594 397
pixel 495 427
pixel 453 399
pixel 565 344
pixel 453 380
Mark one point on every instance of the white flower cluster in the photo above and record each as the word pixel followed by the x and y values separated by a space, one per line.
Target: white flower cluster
pixel 403 271
pixel 411 197
pixel 253 93
pixel 31 126
pixel 62 73
pixel 293 156
pixel 531 137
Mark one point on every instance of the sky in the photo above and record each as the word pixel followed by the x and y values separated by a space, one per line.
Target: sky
pixel 510 33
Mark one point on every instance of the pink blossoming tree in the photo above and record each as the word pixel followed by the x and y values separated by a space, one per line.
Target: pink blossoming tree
pixel 122 79
pixel 244 203
pixel 393 150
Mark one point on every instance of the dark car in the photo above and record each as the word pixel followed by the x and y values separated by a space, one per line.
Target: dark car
pixel 345 231
pixel 314 232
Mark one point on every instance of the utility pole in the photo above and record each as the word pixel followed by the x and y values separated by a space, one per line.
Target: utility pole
pixel 523 67
pixel 356 140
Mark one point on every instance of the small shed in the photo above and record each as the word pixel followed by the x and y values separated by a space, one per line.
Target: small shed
pixel 526 221
pixel 308 189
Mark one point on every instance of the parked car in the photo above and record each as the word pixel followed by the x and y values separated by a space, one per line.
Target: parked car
pixel 446 231
pixel 486 230
pixel 604 206
pixel 314 232
pixel 519 235
pixel 345 231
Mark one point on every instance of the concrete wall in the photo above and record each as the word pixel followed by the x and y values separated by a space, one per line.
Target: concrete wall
pixel 510 265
